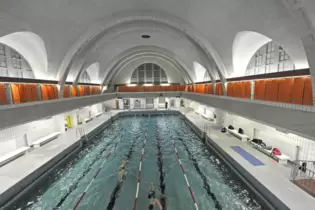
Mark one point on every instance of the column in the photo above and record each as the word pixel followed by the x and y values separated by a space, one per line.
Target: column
pixel 309 46
pixel 220 116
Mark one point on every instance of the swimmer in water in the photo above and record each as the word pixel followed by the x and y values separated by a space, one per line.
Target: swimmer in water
pixel 151 197
pixel 122 170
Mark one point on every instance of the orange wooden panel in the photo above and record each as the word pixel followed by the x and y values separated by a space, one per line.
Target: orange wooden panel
pixel 15 94
pixel 218 89
pixel 230 89
pixel 66 91
pixel 209 89
pixel 28 93
pixel 272 87
pixel 308 96
pixel 81 90
pixel 247 88
pixel 260 89
pixel 285 88
pixel 44 92
pixel 3 97
pixel 51 92
pixel 237 92
pixel 22 92
pixel 297 90
pixel 73 91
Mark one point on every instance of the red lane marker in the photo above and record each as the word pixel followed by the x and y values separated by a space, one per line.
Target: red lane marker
pixel 94 177
pixel 182 168
pixel 78 202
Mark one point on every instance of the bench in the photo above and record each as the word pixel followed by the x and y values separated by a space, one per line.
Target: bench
pixel 282 159
pixel 242 137
pixel 45 139
pixel 98 114
pixel 207 117
pixel 4 159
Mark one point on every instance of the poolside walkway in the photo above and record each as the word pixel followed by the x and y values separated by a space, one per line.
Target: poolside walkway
pixel 15 171
pixel 274 176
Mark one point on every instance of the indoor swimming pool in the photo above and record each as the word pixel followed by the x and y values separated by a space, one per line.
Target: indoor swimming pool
pixel 161 149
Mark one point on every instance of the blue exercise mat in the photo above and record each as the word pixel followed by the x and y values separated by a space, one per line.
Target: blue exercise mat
pixel 250 158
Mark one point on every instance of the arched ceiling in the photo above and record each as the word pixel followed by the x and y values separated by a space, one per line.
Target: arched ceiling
pixel 77 33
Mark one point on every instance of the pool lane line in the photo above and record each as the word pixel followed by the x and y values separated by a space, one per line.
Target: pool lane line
pixel 118 186
pixel 139 173
pixel 202 176
pixel 160 166
pixel 94 177
pixel 184 173
pixel 75 185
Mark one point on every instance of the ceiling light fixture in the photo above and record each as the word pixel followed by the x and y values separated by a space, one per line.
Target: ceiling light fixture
pixel 145 36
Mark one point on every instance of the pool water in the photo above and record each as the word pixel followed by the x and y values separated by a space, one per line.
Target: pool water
pixel 212 183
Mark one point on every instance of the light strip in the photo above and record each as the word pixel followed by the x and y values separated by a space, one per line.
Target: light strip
pixel 165 84
pixel 131 85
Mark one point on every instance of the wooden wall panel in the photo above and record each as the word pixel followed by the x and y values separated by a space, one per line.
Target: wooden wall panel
pixel 247 85
pixel 3 97
pixel 308 96
pixel 66 91
pixel 15 94
pixel 230 89
pixel 272 88
pixel 73 91
pixel 297 90
pixel 285 88
pixel 218 89
pixel 260 89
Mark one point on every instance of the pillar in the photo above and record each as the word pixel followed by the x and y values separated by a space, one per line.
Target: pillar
pixel 220 116
pixel 309 46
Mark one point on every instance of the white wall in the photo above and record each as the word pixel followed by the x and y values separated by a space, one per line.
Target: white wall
pixel 110 104
pixel 15 137
pixel 96 108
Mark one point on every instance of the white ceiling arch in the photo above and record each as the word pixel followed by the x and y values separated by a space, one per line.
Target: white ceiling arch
pixel 32 48
pixel 115 70
pixel 97 31
pixel 128 39
pixel 141 51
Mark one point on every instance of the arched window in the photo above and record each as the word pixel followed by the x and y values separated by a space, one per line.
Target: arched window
pixel 12 64
pixel 268 59
pixel 148 73
pixel 85 78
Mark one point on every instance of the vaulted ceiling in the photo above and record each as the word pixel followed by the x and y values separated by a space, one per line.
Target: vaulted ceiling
pixel 63 38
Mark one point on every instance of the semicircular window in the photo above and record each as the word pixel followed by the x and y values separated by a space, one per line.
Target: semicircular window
pixel 148 73
pixel 270 58
pixel 13 64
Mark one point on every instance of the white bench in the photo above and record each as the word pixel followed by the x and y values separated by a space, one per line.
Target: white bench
pixel 242 137
pixel 98 114
pixel 4 159
pixel 282 159
pixel 45 139
pixel 207 117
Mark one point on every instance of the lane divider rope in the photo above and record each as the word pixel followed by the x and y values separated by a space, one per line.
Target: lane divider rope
pixel 181 166
pixel 139 173
pixel 94 177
